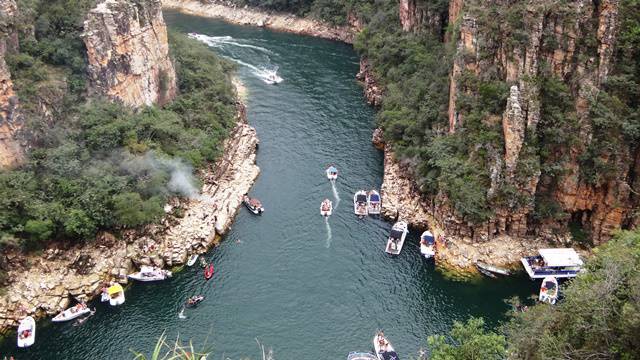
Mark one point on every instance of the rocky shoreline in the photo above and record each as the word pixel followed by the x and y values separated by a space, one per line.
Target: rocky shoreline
pixel 262 18
pixel 44 284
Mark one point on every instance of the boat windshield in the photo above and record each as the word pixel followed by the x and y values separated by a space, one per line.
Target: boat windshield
pixel 396 234
pixel 361 198
pixel 429 239
pixel 374 197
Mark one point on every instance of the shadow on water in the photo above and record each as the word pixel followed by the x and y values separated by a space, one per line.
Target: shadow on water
pixel 276 280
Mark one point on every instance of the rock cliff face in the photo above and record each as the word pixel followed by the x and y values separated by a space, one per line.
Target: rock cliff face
pixel 572 43
pixel 128 52
pixel 10 120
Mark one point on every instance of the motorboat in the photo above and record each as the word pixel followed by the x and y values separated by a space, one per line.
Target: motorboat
pixel 272 78
pixel 194 300
pixel 560 263
pixel 116 295
pixel 192 259
pixel 26 332
pixel 326 208
pixel 373 203
pixel 208 272
pixel 395 242
pixel 253 204
pixel 549 290
pixel 360 203
pixel 72 313
pixel 384 349
pixel 332 173
pixel 150 273
pixel 491 270
pixel 361 356
pixel 427 244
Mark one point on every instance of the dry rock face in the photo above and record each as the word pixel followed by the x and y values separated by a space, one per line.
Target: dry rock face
pixel 10 120
pixel 128 52
pixel 372 91
pixel 80 272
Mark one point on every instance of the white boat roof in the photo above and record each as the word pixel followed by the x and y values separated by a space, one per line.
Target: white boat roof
pixel 560 257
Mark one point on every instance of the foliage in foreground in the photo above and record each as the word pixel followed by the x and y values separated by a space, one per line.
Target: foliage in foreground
pixel 469 341
pixel 167 351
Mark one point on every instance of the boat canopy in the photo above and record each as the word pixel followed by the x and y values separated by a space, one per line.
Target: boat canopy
pixel 390 355
pixel 550 285
pixel 396 234
pixel 428 237
pixel 361 198
pixel 332 169
pixel 560 257
pixel 374 197
pixel 114 289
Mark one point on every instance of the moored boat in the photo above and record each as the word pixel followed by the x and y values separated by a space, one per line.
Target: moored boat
pixel 253 204
pixel 395 242
pixel 326 208
pixel 116 295
pixel 72 313
pixel 192 259
pixel 360 203
pixel 361 356
pixel 208 271
pixel 384 349
pixel 549 290
pixel 150 273
pixel 560 263
pixel 26 332
pixel 332 173
pixel 491 269
pixel 194 300
pixel 427 244
pixel 373 203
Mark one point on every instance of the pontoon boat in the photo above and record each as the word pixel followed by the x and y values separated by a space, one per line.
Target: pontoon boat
pixel 395 242
pixel 360 203
pixel 26 332
pixel 561 263
pixel 71 313
pixel 373 203
pixel 150 273
pixel 427 242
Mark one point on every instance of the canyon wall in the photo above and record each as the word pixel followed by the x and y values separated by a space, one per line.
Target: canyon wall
pixel 528 48
pixel 10 120
pixel 128 52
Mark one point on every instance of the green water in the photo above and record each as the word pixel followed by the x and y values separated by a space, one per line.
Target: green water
pixel 279 278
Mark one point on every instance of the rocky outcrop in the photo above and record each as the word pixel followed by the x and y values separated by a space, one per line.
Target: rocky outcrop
pixel 11 152
pixel 272 20
pixel 45 284
pixel 128 52
pixel 513 127
pixel 372 91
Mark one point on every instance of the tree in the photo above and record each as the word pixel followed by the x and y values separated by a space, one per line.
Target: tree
pixel 469 341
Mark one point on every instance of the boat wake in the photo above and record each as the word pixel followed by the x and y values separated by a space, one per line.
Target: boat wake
pixel 181 314
pixel 335 193
pixel 267 73
pixel 328 226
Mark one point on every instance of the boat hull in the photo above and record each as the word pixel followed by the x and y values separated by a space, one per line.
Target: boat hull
pixel 326 212
pixel 192 260
pixel 360 207
pixel 549 295
pixel 27 323
pixel 379 350
pixel 395 249
pixel 427 251
pixel 68 315
pixel 255 211
pixel 374 207
pixel 118 300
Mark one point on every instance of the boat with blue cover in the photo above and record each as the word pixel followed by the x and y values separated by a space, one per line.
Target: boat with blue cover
pixel 559 263
pixel 427 244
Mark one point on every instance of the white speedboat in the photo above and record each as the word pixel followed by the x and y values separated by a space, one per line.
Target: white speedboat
pixel 395 242
pixel 361 356
pixel 549 290
pixel 272 78
pixel 116 295
pixel 253 204
pixel 150 273
pixel 384 349
pixel 332 173
pixel 326 208
pixel 26 332
pixel 427 244
pixel 374 203
pixel 360 203
pixel 192 259
pixel 72 313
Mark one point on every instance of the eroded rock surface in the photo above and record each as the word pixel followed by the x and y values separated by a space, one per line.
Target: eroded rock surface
pixel 11 151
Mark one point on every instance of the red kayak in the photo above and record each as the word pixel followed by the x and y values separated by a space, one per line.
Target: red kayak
pixel 208 272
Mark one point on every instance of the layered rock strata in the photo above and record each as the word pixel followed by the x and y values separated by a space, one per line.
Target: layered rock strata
pixel 11 151
pixel 128 52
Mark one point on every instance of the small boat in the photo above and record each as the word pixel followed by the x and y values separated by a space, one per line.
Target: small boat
pixel 192 259
pixel 208 271
pixel 105 296
pixel 332 173
pixel 272 78
pixel 360 203
pixel 194 300
pixel 72 313
pixel 203 263
pixel 26 332
pixel 395 242
pixel 549 290
pixel 491 269
pixel 116 295
pixel 373 203
pixel 150 273
pixel 361 356
pixel 427 242
pixel 326 208
pixel 384 349
pixel 252 204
